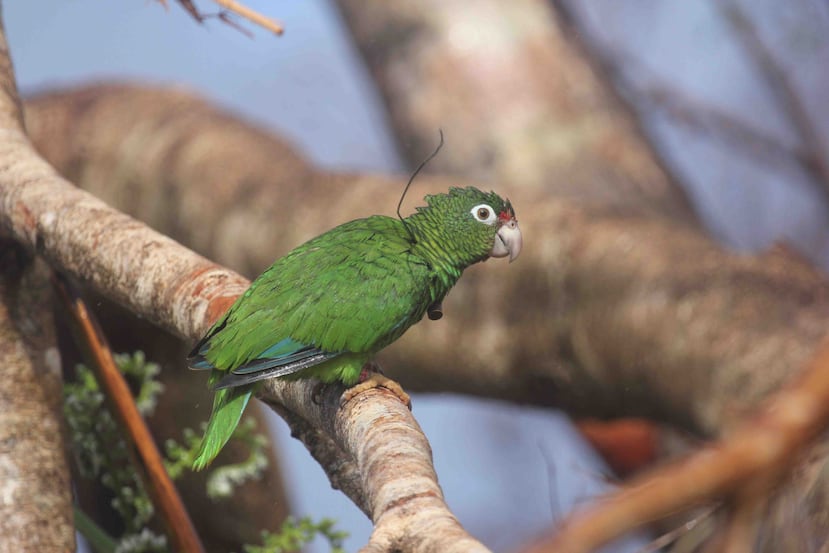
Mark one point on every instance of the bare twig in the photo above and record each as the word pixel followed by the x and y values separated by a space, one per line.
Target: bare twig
pixel 399 492
pixel 190 8
pixel 162 491
pixel 705 117
pixel 254 17
pixel 688 111
pixel 556 511
pixel 225 18
pixel 731 129
pixel 673 535
pixel 810 153
pixel 781 86
pixel 235 7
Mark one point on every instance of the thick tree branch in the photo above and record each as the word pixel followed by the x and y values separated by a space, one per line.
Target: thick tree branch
pixel 35 498
pixel 409 513
pixel 159 279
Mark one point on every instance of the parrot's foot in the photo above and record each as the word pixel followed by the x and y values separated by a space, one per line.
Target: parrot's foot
pixel 371 377
pixel 316 393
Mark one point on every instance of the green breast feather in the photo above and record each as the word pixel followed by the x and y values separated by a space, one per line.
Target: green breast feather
pixel 327 306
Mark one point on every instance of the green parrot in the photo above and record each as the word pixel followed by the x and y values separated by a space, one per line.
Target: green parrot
pixel 323 310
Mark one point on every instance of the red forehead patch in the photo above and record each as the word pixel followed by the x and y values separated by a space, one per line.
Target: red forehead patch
pixel 504 216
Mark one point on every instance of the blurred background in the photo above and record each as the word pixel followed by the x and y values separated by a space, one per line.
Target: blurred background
pixel 703 79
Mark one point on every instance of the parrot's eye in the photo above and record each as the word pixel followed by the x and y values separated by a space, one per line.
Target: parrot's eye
pixel 484 214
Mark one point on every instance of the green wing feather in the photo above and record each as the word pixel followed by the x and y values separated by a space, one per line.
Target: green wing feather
pixel 356 289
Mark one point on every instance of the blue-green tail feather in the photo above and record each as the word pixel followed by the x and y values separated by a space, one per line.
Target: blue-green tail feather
pixel 228 406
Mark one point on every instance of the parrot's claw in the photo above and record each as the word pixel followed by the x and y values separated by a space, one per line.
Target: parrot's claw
pixel 376 380
pixel 316 394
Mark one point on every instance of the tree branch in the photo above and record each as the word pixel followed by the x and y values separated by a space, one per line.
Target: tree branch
pixel 781 86
pixel 744 466
pixel 401 497
pixel 253 16
pixel 520 104
pixel 149 463
pixel 359 431
pixel 736 132
pixel 184 293
pixel 239 9
pixel 35 498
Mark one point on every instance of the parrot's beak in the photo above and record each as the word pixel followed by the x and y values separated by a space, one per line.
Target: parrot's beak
pixel 508 241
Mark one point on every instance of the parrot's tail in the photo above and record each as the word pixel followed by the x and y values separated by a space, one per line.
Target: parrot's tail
pixel 228 405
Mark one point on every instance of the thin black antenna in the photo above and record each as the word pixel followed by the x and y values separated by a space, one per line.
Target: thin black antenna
pixel 408 184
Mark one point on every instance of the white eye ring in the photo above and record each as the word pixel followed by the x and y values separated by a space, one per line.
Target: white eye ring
pixel 484 214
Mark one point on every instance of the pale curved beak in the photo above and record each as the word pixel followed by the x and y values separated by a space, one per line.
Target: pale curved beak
pixel 508 241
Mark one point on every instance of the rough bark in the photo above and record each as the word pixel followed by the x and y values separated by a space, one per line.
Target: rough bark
pixel 519 103
pixel 409 513
pixel 35 498
pixel 184 293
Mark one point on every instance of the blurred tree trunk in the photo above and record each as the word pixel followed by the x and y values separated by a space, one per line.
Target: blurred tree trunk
pixel 519 103
pixel 35 497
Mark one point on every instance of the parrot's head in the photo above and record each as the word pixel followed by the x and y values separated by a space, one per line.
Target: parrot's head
pixel 476 224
